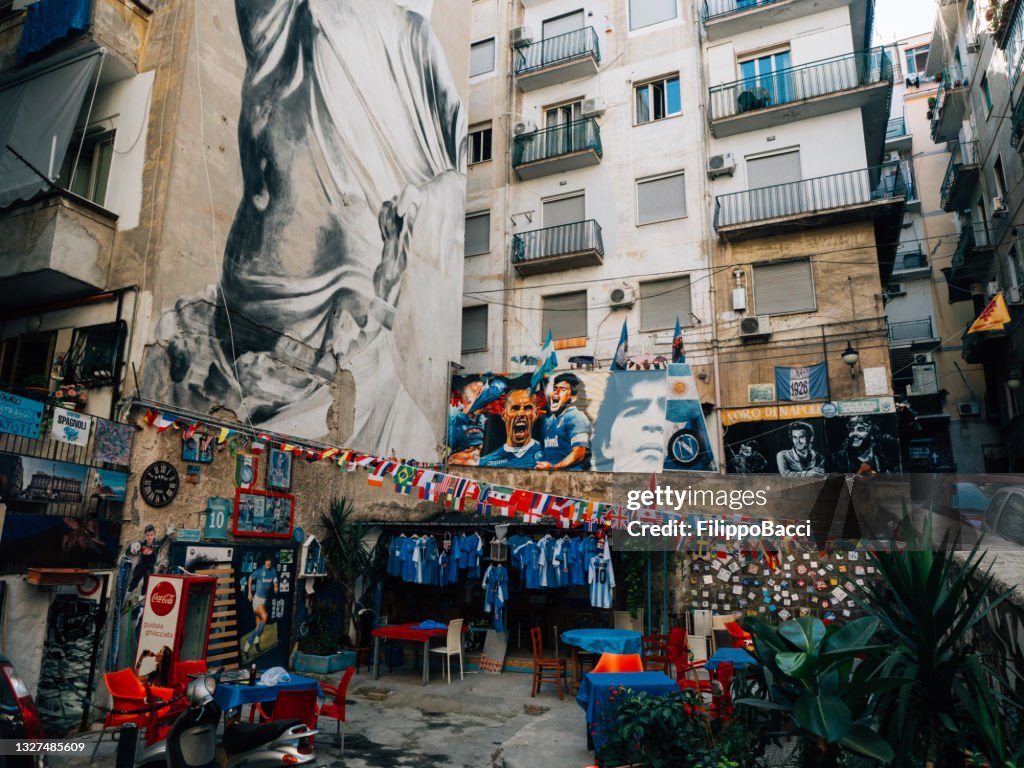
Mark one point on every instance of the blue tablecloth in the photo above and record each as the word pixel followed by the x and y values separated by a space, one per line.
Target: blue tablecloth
pixel 735 656
pixel 604 640
pixel 596 687
pixel 229 695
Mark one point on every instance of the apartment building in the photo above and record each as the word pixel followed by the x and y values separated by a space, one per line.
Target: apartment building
pixel 976 55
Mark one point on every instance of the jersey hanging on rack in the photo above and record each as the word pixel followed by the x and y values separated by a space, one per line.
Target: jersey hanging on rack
pixel 602 581
pixel 496 594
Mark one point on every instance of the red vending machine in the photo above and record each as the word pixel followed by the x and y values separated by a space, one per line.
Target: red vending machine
pixel 175 625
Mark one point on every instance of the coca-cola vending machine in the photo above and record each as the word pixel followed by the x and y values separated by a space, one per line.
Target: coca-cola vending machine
pixel 175 625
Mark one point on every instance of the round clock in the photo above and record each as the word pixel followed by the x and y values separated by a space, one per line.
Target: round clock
pixel 159 484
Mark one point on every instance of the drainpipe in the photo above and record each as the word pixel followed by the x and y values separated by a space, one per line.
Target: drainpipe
pixel 506 235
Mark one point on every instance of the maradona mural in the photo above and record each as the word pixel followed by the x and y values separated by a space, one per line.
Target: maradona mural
pixel 351 137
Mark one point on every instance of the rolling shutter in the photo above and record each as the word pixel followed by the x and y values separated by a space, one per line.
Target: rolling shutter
pixel 662 301
pixel 661 199
pixel 481 57
pixel 643 13
pixel 774 169
pixel 565 315
pixel 785 287
pixel 478 233
pixel 561 25
pixel 474 328
pixel 565 210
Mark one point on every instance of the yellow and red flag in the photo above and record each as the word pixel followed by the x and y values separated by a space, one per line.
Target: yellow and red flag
pixel 993 317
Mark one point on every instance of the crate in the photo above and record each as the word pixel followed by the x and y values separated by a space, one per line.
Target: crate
pixel 322 665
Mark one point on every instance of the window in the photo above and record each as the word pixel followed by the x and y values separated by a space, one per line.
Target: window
pixel 644 13
pixel 660 199
pixel 783 287
pixel 987 94
pixel 481 57
pixel 478 233
pixel 768 79
pixel 88 177
pixel 565 315
pixel 94 356
pixel 1015 45
pixel 657 99
pixel 479 145
pixel 997 170
pixel 1014 269
pixel 662 301
pixel 562 25
pixel 916 58
pixel 25 360
pixel 474 329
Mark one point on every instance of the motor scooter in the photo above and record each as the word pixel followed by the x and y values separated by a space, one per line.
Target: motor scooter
pixel 192 739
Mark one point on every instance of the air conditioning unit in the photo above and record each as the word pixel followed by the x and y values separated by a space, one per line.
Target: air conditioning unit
pixel 1014 295
pixel 998 206
pixel 968 408
pixel 895 289
pixel 624 296
pixel 758 326
pixel 592 107
pixel 924 358
pixel 925 380
pixel 520 37
pixel 973 44
pixel 524 128
pixel 721 165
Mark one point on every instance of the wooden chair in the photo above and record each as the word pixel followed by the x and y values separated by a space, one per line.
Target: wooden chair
pixel 335 710
pixel 452 647
pixel 546 670
pixel 655 653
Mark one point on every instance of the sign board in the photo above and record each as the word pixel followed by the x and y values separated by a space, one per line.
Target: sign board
pixel 188 534
pixel 159 627
pixel 71 427
pixel 20 415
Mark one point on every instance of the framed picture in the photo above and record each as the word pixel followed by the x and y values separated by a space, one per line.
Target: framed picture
pixel 263 513
pixel 279 473
pixel 197 448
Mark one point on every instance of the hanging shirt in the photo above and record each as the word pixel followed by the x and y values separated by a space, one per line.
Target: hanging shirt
pixel 563 561
pixel 395 556
pixel 495 586
pixel 408 566
pixel 514 543
pixel 602 581
pixel 529 554
pixel 545 562
pixel 471 549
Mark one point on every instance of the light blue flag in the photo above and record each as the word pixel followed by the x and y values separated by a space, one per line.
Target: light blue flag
pixel 548 361
pixel 621 351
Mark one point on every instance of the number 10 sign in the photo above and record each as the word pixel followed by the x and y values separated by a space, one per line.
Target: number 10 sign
pixel 218 515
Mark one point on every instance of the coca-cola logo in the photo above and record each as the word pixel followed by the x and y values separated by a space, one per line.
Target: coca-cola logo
pixel 162 598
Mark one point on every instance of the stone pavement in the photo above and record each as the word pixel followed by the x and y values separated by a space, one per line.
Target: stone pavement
pixel 484 721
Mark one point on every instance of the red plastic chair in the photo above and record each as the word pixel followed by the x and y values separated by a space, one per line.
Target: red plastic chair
pixel 289 705
pixel 619 662
pixel 182 671
pixel 740 638
pixel 721 691
pixel 128 693
pixel 336 708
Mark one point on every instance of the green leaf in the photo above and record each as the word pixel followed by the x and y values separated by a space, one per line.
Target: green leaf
pixel 862 739
pixel 825 716
pixel 805 633
pixel 762 704
pixel 795 664
pixel 856 634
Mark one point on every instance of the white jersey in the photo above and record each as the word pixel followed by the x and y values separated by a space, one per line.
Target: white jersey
pixel 601 578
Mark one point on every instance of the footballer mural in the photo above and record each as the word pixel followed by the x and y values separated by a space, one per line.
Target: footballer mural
pixel 351 139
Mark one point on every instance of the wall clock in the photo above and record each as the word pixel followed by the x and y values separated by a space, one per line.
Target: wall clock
pixel 159 484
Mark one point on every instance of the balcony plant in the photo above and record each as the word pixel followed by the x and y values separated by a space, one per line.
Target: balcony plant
pixel 71 396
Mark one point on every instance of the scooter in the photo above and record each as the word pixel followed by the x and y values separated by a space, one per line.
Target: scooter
pixel 192 739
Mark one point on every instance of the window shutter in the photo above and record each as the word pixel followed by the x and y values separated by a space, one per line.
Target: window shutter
pixel 474 328
pixel 662 301
pixel 481 57
pixel 561 25
pixel 478 233
pixel 661 199
pixel 565 210
pixel 783 168
pixel 643 13
pixel 565 315
pixel 785 287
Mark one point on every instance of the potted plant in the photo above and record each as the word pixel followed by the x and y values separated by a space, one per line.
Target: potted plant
pixel 71 396
pixel 317 650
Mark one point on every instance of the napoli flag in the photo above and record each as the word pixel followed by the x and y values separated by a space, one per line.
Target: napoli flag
pixel 546 364
pixel 678 351
pixel 806 383
pixel 621 351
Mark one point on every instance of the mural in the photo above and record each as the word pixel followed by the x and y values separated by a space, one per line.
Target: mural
pixel 626 421
pixel 352 137
pixel 813 439
pixel 50 541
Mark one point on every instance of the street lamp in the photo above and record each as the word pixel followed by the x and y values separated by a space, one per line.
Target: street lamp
pixel 850 357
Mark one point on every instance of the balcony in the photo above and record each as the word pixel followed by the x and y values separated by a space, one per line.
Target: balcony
pixel 728 18
pixel 856 80
pixel 972 264
pixel 558 59
pixel 910 265
pixel 961 178
pixel 54 248
pixel 896 137
pixel 1017 124
pixel 877 194
pixel 917 334
pixel 553 249
pixel 983 346
pixel 950 104
pixel 560 148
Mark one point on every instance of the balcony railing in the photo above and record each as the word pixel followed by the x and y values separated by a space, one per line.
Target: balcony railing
pixel 910 260
pixel 969 241
pixel 895 128
pixel 1017 124
pixel 556 50
pixel 951 80
pixel 714 9
pixel 567 245
pixel 961 172
pixel 565 139
pixel 840 190
pixel 911 330
pixel 807 81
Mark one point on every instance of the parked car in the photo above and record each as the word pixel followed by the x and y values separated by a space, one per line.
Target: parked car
pixel 959 503
pixel 1003 524
pixel 19 718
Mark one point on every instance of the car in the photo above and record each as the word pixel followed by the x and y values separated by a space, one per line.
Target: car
pixel 958 503
pixel 1003 524
pixel 19 718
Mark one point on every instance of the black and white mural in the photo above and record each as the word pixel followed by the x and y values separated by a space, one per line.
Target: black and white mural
pixel 346 246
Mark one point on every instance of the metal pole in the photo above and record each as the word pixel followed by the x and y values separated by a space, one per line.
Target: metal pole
pixel 664 593
pixel 648 593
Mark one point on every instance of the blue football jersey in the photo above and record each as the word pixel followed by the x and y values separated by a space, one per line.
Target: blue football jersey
pixel 515 458
pixel 565 431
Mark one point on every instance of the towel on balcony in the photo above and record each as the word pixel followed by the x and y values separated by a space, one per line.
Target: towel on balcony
pixel 48 21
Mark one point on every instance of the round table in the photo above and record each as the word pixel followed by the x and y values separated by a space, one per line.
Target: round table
pixel 600 641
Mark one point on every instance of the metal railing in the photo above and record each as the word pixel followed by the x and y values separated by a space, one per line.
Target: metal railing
pixel 714 9
pixel 951 79
pixel 969 240
pixel 911 330
pixel 895 128
pixel 963 153
pixel 555 50
pixel 882 182
pixel 557 241
pixel 807 81
pixel 1017 124
pixel 564 139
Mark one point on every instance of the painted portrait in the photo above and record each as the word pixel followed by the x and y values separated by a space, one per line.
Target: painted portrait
pixel 279 471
